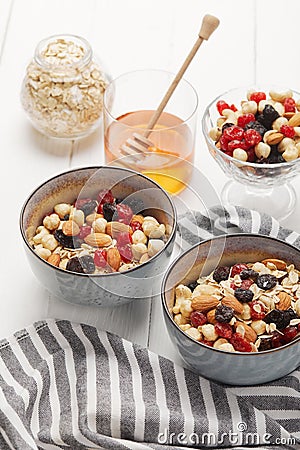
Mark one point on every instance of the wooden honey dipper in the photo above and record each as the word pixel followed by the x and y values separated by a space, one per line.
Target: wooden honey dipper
pixel 140 143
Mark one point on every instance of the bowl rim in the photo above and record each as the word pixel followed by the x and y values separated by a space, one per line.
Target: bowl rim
pixel 168 315
pixel 231 158
pixel 97 275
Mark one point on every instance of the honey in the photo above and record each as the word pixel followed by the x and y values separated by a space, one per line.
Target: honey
pixel 168 162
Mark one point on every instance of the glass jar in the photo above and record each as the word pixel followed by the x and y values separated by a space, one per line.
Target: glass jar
pixel 62 92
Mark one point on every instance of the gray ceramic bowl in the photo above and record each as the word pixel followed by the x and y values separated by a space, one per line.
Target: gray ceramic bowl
pixel 230 368
pixel 101 289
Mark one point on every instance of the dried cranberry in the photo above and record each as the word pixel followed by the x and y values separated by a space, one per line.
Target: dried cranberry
pixel 244 295
pixel 288 334
pixel 221 273
pixel 245 284
pixel 124 238
pixel 198 318
pixel 105 197
pixel 257 127
pixel 257 310
pixel 209 343
pixel 276 339
pixel 135 225
pixel 223 143
pixel 252 137
pixel 257 96
pixel 223 330
pixel 109 211
pixel 224 313
pixel 244 119
pixel 237 269
pixel 234 132
pixel 266 281
pixel 125 252
pixel 287 131
pixel 232 145
pixel 226 125
pixel 233 107
pixel 85 230
pixel 100 258
pixel 239 343
pixel 124 213
pixel 289 104
pixel 82 201
pixel 221 104
pixel 251 155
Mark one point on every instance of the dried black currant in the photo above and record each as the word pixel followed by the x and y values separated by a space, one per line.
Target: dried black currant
pixel 280 318
pixel 243 295
pixel 248 273
pixel 257 127
pixel 267 117
pixel 292 314
pixel 224 314
pixel 193 285
pixel 226 125
pixel 87 262
pixel 110 212
pixel 266 281
pixel 89 207
pixel 221 273
pixel 67 241
pixel 265 344
pixel 74 265
pixel 66 217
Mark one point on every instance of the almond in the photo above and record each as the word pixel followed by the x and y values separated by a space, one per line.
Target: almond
pixel 280 265
pixel 98 240
pixel 232 302
pixel 250 334
pixel 114 228
pixel 113 258
pixel 211 316
pixel 204 302
pixel 295 120
pixel 54 259
pixel 274 138
pixel 92 217
pixel 70 228
pixel 288 115
pixel 284 302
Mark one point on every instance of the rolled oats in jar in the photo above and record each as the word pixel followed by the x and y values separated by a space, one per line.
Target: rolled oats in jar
pixel 62 91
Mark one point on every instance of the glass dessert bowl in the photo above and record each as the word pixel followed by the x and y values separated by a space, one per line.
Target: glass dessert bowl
pixel 264 150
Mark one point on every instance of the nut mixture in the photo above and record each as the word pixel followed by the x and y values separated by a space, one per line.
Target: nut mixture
pixel 246 308
pixel 264 130
pixel 99 236
pixel 63 97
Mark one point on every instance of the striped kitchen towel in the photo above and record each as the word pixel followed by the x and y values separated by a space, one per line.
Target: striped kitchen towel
pixel 71 386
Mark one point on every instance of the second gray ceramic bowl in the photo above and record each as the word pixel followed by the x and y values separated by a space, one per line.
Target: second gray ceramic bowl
pixel 111 289
pixel 231 368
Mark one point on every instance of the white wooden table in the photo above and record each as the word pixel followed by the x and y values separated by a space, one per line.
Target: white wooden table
pixel 256 43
